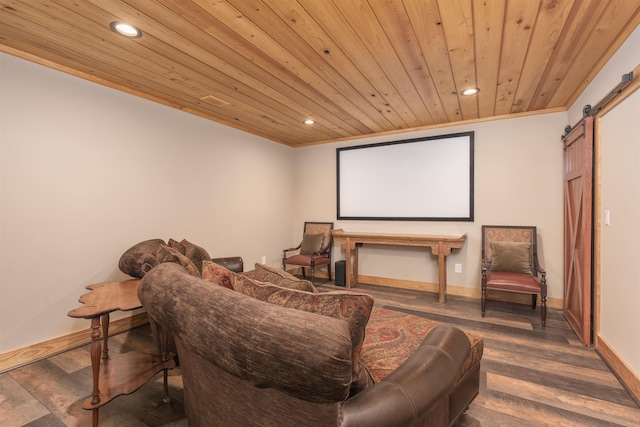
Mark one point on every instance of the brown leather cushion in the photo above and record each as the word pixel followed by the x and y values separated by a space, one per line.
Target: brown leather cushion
pixel 514 282
pixel 305 260
pixel 233 263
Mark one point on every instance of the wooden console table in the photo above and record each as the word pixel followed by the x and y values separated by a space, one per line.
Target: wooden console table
pixel 440 246
pixel 122 373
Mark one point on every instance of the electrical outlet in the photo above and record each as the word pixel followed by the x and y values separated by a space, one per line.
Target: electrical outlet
pixel 458 268
pixel 264 259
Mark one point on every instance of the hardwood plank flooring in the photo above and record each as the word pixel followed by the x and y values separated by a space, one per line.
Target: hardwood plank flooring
pixel 530 375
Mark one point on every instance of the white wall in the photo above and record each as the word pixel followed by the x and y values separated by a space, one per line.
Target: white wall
pixel 623 61
pixel 87 171
pixel 619 188
pixel 518 181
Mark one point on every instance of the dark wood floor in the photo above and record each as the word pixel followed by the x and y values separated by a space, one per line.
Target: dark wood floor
pixel 531 376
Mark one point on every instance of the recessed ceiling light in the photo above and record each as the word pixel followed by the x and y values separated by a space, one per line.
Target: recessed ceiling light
pixel 309 122
pixel 469 92
pixel 126 30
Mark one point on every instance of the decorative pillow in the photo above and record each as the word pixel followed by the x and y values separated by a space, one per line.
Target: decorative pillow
pixel 176 245
pixel 253 288
pixel 264 273
pixel 511 256
pixel 195 253
pixel 311 243
pixel 168 254
pixel 354 309
pixel 215 273
pixel 140 258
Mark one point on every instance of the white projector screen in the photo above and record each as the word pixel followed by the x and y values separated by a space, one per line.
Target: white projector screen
pixel 421 179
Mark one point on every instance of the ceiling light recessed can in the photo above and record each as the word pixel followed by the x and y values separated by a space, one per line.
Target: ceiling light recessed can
pixel 469 92
pixel 309 122
pixel 125 29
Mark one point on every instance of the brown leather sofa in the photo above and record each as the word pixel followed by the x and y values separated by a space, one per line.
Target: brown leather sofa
pixel 253 363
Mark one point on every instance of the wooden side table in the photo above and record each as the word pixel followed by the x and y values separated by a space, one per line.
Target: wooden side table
pixel 121 373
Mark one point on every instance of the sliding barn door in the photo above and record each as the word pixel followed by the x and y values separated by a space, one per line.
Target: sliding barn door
pixel 578 192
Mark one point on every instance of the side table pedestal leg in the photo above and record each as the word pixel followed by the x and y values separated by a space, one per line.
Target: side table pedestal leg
pixel 96 349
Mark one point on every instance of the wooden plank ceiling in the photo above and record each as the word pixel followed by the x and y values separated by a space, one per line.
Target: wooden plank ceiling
pixel 356 67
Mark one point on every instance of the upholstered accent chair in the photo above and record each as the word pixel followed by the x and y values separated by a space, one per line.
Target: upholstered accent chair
pixel 510 263
pixel 314 250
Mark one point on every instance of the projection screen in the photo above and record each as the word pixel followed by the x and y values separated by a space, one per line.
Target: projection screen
pixel 420 179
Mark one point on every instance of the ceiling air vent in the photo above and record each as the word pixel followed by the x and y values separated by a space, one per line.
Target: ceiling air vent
pixel 210 99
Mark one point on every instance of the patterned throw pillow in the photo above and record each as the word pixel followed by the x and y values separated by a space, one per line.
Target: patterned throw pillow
pixel 354 309
pixel 195 253
pixel 176 245
pixel 264 273
pixel 215 273
pixel 168 254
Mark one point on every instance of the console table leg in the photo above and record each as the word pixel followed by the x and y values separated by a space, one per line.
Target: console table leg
pixel 355 264
pixel 348 264
pixel 442 270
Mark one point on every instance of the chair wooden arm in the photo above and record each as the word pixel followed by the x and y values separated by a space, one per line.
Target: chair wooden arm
pixel 284 251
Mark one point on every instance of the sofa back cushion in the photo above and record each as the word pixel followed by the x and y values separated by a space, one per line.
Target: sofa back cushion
pixel 265 345
pixel 352 308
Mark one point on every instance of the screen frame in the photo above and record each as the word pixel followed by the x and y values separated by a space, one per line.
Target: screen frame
pixel 468 216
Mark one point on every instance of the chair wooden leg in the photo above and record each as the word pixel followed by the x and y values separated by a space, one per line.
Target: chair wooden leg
pixel 329 268
pixel 534 299
pixel 483 302
pixel 543 309
pixel 303 274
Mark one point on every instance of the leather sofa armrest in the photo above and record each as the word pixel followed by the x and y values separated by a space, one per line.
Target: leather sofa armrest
pixel 415 388
pixel 233 263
